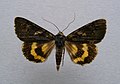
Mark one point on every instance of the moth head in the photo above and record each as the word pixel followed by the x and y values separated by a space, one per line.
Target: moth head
pixel 60 33
pixel 60 36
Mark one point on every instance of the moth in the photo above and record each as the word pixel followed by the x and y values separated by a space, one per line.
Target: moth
pixel 80 44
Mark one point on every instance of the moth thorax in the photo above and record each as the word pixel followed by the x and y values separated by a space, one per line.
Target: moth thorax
pixel 60 39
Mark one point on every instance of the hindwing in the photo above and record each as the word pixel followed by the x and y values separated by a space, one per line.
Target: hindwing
pixel 81 53
pixel 37 52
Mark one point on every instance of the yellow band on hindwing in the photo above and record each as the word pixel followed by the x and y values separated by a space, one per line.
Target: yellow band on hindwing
pixel 34 54
pixel 45 48
pixel 85 54
pixel 74 49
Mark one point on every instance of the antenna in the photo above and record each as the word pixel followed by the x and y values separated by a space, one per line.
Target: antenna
pixel 51 23
pixel 69 23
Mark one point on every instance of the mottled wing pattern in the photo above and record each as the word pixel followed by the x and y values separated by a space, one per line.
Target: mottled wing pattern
pixel 27 31
pixel 38 42
pixel 80 44
pixel 90 33
pixel 81 53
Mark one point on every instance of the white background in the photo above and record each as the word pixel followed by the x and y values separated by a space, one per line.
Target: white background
pixel 15 69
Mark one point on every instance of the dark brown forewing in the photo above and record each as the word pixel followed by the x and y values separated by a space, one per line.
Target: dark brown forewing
pixel 90 33
pixel 37 52
pixel 81 53
pixel 29 32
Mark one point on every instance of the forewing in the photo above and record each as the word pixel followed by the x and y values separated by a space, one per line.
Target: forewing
pixel 81 53
pixel 90 33
pixel 30 32
pixel 37 52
